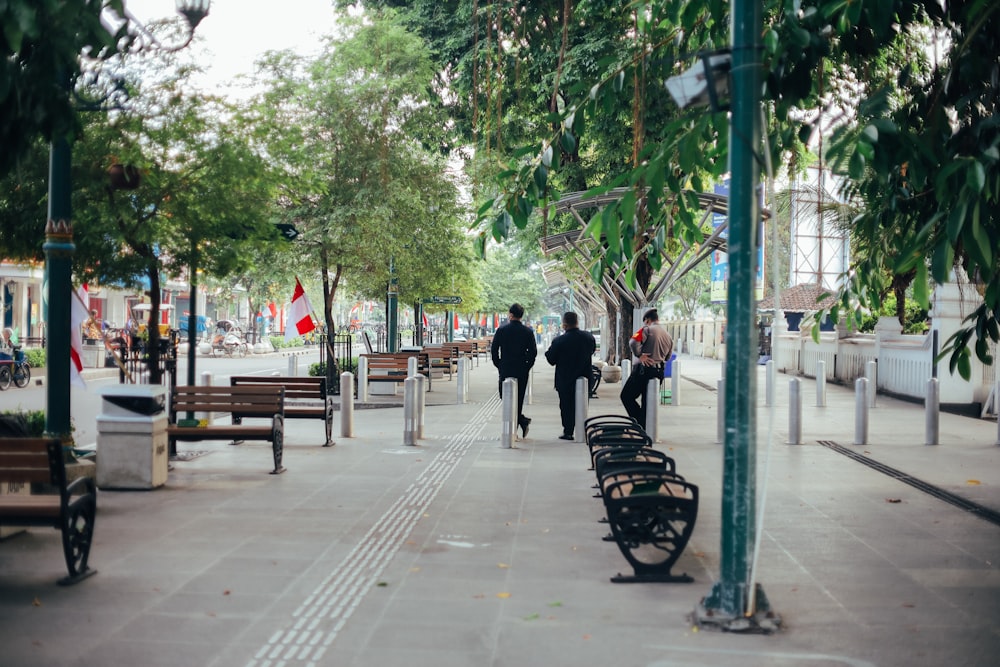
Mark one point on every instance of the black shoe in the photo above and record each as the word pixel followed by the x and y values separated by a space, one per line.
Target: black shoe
pixel 524 428
pixel 565 436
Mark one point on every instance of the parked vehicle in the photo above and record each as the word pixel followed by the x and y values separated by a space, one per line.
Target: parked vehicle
pixel 14 369
pixel 228 339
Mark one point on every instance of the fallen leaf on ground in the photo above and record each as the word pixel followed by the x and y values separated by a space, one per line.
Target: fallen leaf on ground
pixel 503 596
pixel 503 566
pixel 893 500
pixel 974 482
pixel 36 602
pixel 532 617
pixel 225 592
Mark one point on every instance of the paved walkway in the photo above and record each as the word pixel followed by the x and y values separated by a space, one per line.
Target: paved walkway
pixel 457 552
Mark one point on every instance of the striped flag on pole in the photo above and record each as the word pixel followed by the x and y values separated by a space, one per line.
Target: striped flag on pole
pixel 78 315
pixel 300 321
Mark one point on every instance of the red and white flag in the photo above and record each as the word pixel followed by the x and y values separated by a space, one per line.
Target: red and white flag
pixel 300 321
pixel 78 315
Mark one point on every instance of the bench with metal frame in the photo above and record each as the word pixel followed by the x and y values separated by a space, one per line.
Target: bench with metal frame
pixel 394 366
pixel 240 402
pixel 305 397
pixel 71 509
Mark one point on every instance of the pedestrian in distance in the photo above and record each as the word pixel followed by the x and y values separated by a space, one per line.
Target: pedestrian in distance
pixel 651 345
pixel 514 351
pixel 572 354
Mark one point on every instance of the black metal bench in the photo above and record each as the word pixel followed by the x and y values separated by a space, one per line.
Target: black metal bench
pixel 305 397
pixel 70 510
pixel 240 402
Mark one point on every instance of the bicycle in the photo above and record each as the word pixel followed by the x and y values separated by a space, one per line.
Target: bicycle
pixel 16 370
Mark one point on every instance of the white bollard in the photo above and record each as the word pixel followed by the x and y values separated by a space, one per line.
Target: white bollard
pixel 206 381
pixel 410 411
pixel 626 369
pixel 932 413
pixel 580 396
pixel 675 383
pixel 652 407
pixel 508 412
pixel 528 394
pixel 461 384
pixel 996 406
pixel 720 411
pixel 362 379
pixel 871 374
pixel 411 367
pixel 293 365
pixel 861 411
pixel 347 405
pixel 769 383
pixel 421 404
pixel 794 412
pixel 821 384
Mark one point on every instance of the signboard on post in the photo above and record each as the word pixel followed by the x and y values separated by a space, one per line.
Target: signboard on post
pixel 444 300
pixel 288 232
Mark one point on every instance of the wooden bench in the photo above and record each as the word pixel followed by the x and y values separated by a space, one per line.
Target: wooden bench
pixel 241 402
pixel 70 510
pixel 305 397
pixel 394 366
pixel 467 349
pixel 443 357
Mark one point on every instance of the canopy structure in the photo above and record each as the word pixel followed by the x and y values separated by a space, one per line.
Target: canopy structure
pixel 685 258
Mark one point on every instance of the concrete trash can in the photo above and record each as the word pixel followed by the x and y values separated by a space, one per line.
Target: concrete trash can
pixel 132 437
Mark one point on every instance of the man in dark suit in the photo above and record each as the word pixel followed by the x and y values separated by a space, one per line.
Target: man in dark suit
pixel 572 355
pixel 514 353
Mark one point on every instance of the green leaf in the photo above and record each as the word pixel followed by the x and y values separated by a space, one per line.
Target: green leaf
pixel 870 133
pixel 921 292
pixel 487 205
pixel 771 41
pixel 964 365
pixel 856 166
pixel 541 177
pixel 568 142
pixel 976 176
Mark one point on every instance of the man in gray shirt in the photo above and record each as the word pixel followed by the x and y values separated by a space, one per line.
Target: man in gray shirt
pixel 652 346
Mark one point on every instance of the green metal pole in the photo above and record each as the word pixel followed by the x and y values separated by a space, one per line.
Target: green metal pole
pixel 192 318
pixel 58 278
pixel 731 602
pixel 392 306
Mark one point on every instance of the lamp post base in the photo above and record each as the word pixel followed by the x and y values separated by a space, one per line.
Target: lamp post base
pixel 709 615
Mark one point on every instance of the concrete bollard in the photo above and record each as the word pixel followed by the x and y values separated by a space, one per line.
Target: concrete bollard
pixel 421 404
pixel 769 383
pixel 529 397
pixel 821 384
pixel 626 369
pixel 207 378
pixel 508 412
pixel 720 411
pixel 861 411
pixel 362 379
pixel 461 384
pixel 410 411
pixel 675 383
pixel 871 374
pixel 411 367
pixel 794 412
pixel 347 405
pixel 293 365
pixel 996 406
pixel 580 398
pixel 652 406
pixel 932 413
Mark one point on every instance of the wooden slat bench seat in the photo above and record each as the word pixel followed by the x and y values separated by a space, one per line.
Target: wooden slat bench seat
pixel 394 366
pixel 71 509
pixel 241 402
pixel 443 357
pixel 305 397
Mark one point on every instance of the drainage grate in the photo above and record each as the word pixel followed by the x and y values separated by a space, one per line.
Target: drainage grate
pixel 984 513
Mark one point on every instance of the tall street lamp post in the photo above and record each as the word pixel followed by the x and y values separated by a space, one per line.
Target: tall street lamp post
pixel 59 247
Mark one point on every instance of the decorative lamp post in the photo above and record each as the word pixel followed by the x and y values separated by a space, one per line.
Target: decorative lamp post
pixel 59 247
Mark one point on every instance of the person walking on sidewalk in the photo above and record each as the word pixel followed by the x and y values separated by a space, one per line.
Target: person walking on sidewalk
pixel 652 346
pixel 572 354
pixel 514 353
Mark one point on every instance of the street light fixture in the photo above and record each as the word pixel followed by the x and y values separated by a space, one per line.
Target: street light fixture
pixel 59 247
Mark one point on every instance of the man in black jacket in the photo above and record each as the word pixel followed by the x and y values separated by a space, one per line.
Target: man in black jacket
pixel 514 353
pixel 572 355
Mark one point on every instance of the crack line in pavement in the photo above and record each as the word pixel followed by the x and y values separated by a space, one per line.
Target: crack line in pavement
pixel 325 611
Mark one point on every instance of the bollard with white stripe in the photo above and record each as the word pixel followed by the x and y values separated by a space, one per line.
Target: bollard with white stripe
pixel 508 412
pixel 675 382
pixel 652 405
pixel 362 379
pixel 410 411
pixel 871 374
pixel 206 381
pixel 820 384
pixel 769 383
pixel 347 405
pixel 932 413
pixel 580 397
pixel 421 404
pixel 411 367
pixel 293 365
pixel 626 369
pixel 720 411
pixel 861 411
pixel 794 412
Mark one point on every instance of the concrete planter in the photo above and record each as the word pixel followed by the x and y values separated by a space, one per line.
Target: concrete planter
pixel 611 374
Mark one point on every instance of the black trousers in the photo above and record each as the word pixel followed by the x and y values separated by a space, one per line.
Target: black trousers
pixel 635 389
pixel 567 408
pixel 522 389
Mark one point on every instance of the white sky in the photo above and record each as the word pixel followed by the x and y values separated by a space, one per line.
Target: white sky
pixel 237 32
